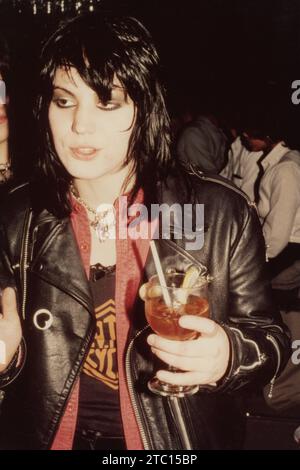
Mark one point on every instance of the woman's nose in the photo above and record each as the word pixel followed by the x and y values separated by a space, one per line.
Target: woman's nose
pixel 83 121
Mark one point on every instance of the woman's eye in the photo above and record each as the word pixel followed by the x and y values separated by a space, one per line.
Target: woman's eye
pixel 109 106
pixel 63 102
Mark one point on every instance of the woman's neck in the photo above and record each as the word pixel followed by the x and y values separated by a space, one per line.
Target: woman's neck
pixel 103 190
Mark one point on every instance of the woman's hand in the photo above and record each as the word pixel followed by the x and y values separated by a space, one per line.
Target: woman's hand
pixel 203 360
pixel 10 327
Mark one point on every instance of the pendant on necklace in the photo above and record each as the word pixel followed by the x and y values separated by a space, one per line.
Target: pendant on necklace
pixel 104 223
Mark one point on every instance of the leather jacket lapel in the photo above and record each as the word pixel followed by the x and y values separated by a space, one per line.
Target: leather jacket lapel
pixel 53 239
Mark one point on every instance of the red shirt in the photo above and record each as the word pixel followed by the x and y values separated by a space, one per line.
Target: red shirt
pixel 131 258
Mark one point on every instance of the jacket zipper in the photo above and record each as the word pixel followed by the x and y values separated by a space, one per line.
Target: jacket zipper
pixel 173 403
pixel 133 395
pixel 272 381
pixel 24 263
pixel 179 421
pixel 52 437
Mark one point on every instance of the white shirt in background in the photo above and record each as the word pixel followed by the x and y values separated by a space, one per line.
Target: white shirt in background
pixel 279 204
pixel 242 168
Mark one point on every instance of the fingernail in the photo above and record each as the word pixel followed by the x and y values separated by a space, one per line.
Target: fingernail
pixel 182 321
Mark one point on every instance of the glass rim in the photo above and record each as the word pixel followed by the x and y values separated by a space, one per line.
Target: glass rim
pixel 205 280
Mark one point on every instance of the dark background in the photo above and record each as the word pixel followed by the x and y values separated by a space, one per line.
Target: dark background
pixel 227 51
pixel 199 40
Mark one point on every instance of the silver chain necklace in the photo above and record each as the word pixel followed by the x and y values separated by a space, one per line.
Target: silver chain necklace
pixel 104 218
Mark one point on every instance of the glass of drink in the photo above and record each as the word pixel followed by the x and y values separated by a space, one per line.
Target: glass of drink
pixel 186 295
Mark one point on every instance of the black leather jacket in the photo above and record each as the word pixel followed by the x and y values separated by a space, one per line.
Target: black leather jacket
pixel 49 276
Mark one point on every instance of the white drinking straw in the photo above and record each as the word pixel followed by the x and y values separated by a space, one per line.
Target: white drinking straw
pixel 160 273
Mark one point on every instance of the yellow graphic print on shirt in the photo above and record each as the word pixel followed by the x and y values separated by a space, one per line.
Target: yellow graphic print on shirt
pixel 101 361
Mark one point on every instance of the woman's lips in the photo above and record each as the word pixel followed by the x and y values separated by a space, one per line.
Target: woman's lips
pixel 84 153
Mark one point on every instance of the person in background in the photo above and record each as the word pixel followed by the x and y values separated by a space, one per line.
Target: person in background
pixel 242 168
pixel 274 134
pixel 276 187
pixel 5 160
pixel 203 143
pixel 79 351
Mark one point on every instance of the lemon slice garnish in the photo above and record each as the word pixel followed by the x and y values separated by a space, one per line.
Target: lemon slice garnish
pixel 154 291
pixel 190 278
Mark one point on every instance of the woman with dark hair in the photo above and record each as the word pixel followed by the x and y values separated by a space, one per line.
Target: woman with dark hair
pixel 78 377
pixel 127 63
